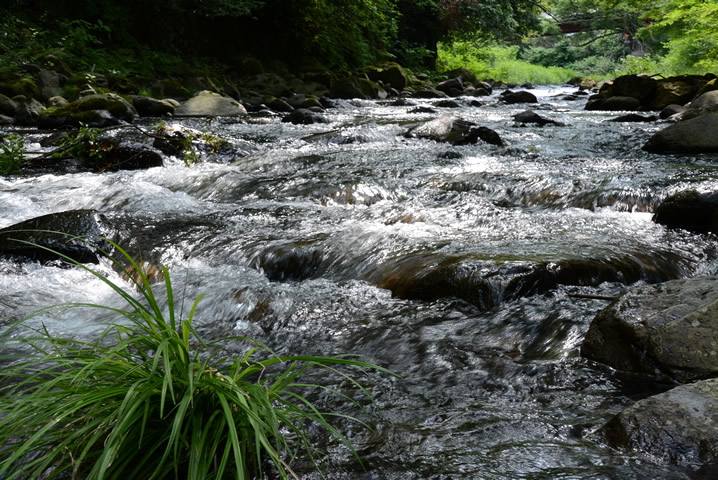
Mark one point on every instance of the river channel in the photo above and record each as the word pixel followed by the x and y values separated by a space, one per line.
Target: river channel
pixel 453 266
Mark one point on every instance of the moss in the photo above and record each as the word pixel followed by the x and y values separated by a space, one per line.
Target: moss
pixel 21 86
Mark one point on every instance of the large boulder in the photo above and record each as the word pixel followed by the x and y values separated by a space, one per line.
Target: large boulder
pixel 613 103
pixel 356 87
pixel 453 87
pixel 689 210
pixel 695 135
pixel 637 86
pixel 668 330
pixel 705 103
pixel 8 106
pixel 76 234
pixel 529 116
pixel 390 74
pixel 675 90
pixel 678 427
pixel 152 107
pixel 98 110
pixel 454 130
pixel 211 104
pixel 28 110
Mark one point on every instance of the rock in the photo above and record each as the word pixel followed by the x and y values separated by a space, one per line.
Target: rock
pixel 57 101
pixel 82 242
pixel 521 96
pixel 5 120
pixel 278 105
pixel 129 156
pixel 455 131
pixel 8 106
pixel 211 104
pixel 689 210
pixel 670 110
pixel 28 110
pixel 705 103
pixel 422 110
pixel 633 117
pixel 357 87
pixel 640 87
pixel 466 78
pixel 709 86
pixel 447 104
pixel 674 90
pixel 48 81
pixel 529 116
pixel 97 110
pixel 20 86
pixel 152 107
pixel 614 103
pixel 695 135
pixel 451 86
pixel 678 427
pixel 429 93
pixel 391 74
pixel 669 330
pixel 303 116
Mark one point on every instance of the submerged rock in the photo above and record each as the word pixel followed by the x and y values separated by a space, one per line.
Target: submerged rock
pixel 696 135
pixel 76 234
pixel 669 330
pixel 679 426
pixel 529 116
pixel 303 116
pixel 633 118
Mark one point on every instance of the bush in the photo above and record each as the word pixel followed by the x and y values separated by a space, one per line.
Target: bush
pixel 150 399
pixel 12 154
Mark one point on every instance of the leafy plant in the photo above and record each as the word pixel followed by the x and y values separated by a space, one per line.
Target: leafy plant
pixel 86 143
pixel 12 154
pixel 151 399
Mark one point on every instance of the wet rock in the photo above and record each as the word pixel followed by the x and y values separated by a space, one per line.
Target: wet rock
pixel 521 96
pixel 152 107
pixel 678 427
pixel 447 104
pixel 422 110
pixel 467 78
pixel 529 116
pixel 291 264
pixel 669 331
pixel 429 93
pixel 207 103
pixel 303 116
pixel 75 234
pixel 391 74
pixel 128 156
pixel 94 110
pixel 278 105
pixel 455 131
pixel 670 110
pixel 689 210
pixel 452 87
pixel 706 103
pixel 636 86
pixel 696 135
pixel 633 118
pixel 614 103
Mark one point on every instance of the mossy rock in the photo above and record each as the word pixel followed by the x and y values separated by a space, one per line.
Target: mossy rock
pixel 82 110
pixel 390 74
pixel 22 86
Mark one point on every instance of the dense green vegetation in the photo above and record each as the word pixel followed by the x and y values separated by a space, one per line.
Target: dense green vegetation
pixel 496 38
pixel 149 398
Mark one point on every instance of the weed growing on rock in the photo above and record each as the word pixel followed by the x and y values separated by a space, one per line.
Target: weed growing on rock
pixel 151 399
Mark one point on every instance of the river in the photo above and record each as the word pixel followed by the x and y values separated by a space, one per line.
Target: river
pixel 451 265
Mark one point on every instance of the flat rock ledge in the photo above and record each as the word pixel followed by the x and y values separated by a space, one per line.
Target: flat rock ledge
pixel 668 331
pixel 678 427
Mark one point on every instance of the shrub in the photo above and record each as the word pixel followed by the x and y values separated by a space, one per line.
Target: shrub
pixel 150 399
pixel 12 154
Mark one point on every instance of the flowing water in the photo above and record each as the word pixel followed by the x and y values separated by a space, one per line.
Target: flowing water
pixel 450 265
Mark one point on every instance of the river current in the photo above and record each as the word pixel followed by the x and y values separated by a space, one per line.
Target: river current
pixel 453 266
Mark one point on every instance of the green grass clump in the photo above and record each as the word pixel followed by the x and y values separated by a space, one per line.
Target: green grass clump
pixel 500 63
pixel 12 154
pixel 149 399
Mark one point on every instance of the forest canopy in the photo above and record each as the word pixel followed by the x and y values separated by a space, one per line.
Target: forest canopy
pixel 584 35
